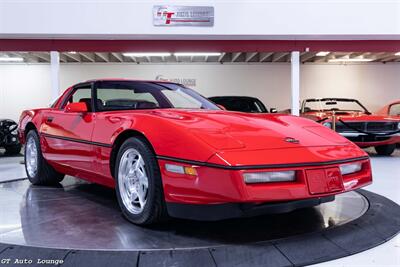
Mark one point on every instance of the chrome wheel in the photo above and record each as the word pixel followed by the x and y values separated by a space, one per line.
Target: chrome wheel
pixel 132 181
pixel 31 157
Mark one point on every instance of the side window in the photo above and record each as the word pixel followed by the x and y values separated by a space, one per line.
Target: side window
pixel 80 95
pixel 124 98
pixel 394 110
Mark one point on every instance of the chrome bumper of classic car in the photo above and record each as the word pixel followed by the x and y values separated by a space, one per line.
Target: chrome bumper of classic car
pixel 214 212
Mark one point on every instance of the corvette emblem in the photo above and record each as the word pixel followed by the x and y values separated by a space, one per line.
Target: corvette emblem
pixel 291 140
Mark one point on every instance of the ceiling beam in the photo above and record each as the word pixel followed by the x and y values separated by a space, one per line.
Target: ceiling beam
pixel 277 56
pixel 74 57
pixel 221 57
pixel 88 56
pixel 103 56
pixel 264 56
pixel 250 56
pixel 118 56
pixel 235 56
pixel 42 55
pixel 63 58
pixel 307 56
pixel 387 57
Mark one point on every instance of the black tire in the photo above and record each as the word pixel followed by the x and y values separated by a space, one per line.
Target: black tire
pixel 154 210
pixel 13 149
pixel 45 174
pixel 385 150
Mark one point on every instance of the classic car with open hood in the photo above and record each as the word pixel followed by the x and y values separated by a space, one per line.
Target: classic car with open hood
pixel 169 151
pixel 352 120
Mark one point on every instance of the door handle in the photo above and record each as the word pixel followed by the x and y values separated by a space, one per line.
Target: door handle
pixel 49 119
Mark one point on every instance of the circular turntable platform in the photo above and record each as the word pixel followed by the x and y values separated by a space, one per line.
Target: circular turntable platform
pixel 78 219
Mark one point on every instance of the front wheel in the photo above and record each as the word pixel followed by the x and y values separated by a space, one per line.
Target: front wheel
pixel 39 172
pixel 385 150
pixel 139 186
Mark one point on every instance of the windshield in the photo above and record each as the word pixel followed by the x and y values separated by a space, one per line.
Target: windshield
pixel 322 105
pixel 243 104
pixel 120 95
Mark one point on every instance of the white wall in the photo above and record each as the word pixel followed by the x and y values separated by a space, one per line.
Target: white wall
pixel 373 84
pixel 268 19
pixel 23 87
pixel 28 86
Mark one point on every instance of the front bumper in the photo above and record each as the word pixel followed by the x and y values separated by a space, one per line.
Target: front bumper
pixel 236 210
pixel 214 189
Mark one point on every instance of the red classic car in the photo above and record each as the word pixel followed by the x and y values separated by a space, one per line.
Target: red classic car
pixel 392 109
pixel 169 151
pixel 352 120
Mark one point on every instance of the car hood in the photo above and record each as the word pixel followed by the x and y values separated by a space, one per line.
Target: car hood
pixel 225 130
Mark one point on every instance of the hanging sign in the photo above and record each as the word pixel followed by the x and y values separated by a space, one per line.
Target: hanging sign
pixel 198 16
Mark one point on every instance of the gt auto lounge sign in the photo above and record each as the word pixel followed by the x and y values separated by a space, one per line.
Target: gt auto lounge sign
pixel 183 16
pixel 189 82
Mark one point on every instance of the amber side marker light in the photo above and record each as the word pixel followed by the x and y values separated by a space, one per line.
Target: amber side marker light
pixel 181 169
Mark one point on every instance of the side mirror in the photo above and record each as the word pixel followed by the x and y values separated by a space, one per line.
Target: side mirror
pixel 79 107
pixel 221 106
pixel 273 110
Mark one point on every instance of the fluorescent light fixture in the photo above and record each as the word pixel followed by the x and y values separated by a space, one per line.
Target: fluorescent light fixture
pixel 350 168
pixel 72 52
pixel 322 53
pixel 397 54
pixel 11 59
pixel 197 54
pixel 268 177
pixel 149 54
pixel 350 59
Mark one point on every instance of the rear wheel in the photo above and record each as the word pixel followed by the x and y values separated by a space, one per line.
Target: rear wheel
pixel 139 186
pixel 39 172
pixel 385 150
pixel 13 149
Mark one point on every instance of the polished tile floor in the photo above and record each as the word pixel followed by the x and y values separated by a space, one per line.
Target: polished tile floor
pixel 10 167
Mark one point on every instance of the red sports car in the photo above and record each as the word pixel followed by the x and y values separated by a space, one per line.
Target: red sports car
pixel 392 109
pixel 352 120
pixel 169 151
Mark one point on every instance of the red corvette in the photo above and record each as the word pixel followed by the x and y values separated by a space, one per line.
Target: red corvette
pixel 169 151
pixel 352 120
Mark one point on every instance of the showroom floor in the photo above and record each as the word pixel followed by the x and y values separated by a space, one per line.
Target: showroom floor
pixel 386 182
pixel 386 173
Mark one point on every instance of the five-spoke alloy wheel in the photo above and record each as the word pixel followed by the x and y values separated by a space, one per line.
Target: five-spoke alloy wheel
pixel 138 182
pixel 38 170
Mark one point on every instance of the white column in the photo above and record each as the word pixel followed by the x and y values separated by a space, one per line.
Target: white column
pixel 295 82
pixel 55 74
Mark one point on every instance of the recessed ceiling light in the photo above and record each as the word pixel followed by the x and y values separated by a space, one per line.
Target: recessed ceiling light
pixel 197 54
pixel 149 54
pixel 11 59
pixel 322 53
pixel 397 54
pixel 350 59
pixel 72 52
